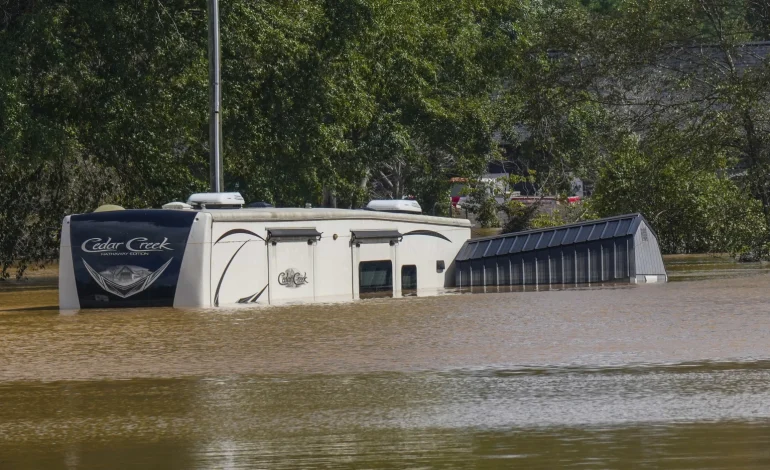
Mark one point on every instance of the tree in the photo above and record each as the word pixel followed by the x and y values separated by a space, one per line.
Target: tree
pixel 323 100
pixel 695 209
pixel 681 78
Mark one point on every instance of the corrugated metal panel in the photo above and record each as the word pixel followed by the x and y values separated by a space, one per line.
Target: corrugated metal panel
pixel 460 275
pixel 507 243
pixel 517 274
pixel 608 260
pixel 571 235
pixel 465 251
pixel 477 273
pixel 518 244
pixel 473 248
pixel 581 265
pixel 623 228
pixel 558 236
pixel 529 268
pixel 490 272
pixel 621 258
pixel 543 268
pixel 583 233
pixel 544 241
pixel 532 240
pixel 568 258
pixel 609 231
pixel 556 265
pixel 635 222
pixel 504 271
pixel 596 232
pixel 481 248
pixel 494 247
pixel 595 262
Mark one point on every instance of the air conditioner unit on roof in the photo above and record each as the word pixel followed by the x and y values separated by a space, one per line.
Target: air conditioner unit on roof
pixel 395 205
pixel 216 200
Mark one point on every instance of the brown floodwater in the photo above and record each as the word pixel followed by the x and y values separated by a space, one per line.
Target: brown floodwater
pixel 667 376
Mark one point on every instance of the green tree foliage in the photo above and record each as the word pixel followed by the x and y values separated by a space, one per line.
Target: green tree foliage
pixel 335 102
pixel 694 208
pixel 324 102
pixel 564 214
pixel 680 78
pixel 99 101
pixel 357 97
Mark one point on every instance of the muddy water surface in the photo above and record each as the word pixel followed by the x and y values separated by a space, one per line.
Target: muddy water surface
pixel 662 376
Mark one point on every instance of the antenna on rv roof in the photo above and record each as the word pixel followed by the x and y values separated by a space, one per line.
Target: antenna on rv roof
pixel 215 124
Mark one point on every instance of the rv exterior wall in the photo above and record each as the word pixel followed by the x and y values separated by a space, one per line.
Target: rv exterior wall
pixel 327 269
pixel 195 274
pixel 131 258
pixel 68 293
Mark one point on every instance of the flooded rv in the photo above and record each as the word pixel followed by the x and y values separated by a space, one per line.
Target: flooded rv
pixel 210 253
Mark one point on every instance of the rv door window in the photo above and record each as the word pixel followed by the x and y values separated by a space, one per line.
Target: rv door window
pixel 409 280
pixel 375 279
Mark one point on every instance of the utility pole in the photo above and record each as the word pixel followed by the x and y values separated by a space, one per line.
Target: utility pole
pixel 215 122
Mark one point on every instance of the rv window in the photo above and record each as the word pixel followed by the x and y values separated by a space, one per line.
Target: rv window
pixel 375 279
pixel 409 280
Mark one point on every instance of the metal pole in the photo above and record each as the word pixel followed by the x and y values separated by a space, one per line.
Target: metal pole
pixel 215 123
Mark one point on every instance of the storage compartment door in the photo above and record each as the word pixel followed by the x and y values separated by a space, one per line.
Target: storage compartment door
pixel 292 275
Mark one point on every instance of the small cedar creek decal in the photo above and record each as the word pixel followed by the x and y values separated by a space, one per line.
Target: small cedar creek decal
pixel 292 278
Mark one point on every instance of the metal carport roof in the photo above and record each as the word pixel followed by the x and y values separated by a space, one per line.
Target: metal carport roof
pixel 532 240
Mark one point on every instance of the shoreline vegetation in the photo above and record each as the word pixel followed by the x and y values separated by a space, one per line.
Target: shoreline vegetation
pixel 661 108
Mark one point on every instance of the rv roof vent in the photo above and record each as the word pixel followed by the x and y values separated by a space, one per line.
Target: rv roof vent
pixel 395 205
pixel 177 206
pixel 216 200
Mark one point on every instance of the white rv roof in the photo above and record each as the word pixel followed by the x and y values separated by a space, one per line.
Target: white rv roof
pixel 298 214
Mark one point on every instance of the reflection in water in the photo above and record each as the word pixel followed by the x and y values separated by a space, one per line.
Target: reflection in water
pixel 663 376
pixel 540 419
pixel 693 267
